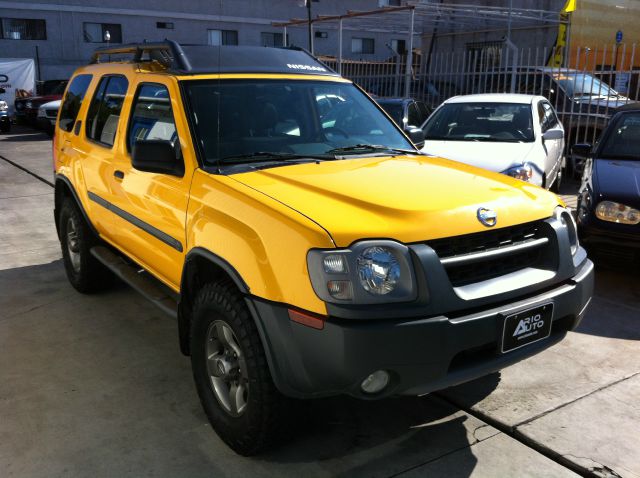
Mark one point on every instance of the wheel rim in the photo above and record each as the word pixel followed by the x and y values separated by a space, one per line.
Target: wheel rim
pixel 227 369
pixel 73 245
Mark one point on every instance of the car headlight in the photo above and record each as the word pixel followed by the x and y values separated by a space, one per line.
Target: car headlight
pixel 616 212
pixel 523 172
pixel 566 219
pixel 4 106
pixel 28 105
pixel 368 272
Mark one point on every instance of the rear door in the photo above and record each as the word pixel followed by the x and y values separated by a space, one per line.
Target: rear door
pixel 99 148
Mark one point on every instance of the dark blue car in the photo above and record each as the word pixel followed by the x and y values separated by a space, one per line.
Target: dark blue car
pixel 609 198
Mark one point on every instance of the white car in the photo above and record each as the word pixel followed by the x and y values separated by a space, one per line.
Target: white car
pixel 47 115
pixel 518 135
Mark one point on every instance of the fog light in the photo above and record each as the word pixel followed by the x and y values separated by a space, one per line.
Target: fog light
pixel 375 382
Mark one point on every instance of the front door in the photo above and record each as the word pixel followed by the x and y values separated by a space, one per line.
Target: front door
pixel 150 223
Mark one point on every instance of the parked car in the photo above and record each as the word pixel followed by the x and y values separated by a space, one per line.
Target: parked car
pixel 47 115
pixel 406 112
pixel 609 198
pixel 5 120
pixel 26 109
pixel 303 253
pixel 518 135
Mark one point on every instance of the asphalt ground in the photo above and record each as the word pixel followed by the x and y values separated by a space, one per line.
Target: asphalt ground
pixel 96 386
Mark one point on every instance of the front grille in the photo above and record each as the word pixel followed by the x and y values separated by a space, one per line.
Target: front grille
pixel 51 113
pixel 485 255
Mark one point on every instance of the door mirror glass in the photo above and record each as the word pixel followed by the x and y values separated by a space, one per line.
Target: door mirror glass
pixel 157 156
pixel 581 149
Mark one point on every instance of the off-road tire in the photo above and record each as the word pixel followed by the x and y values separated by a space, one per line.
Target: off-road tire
pixel 89 275
pixel 261 424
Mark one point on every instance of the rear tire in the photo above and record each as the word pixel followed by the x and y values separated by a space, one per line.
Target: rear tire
pixel 231 372
pixel 84 271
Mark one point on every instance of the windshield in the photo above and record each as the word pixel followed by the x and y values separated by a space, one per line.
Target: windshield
pixel 581 84
pixel 497 122
pixel 623 141
pixel 250 120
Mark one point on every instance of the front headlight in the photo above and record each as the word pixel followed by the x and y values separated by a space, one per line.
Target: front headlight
pixel 369 272
pixel 616 212
pixel 4 106
pixel 566 219
pixel 523 173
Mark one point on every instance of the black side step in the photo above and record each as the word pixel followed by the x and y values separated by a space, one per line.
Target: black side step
pixel 145 285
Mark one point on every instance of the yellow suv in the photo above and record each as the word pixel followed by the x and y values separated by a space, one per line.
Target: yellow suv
pixel 304 244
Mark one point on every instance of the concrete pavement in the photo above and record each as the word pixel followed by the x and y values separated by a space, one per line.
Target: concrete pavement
pixel 96 386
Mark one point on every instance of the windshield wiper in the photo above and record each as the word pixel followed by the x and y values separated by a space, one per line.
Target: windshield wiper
pixel 266 156
pixel 368 148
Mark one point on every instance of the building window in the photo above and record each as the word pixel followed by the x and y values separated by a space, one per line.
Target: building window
pixel 389 3
pixel 23 29
pixel 97 32
pixel 399 46
pixel 271 39
pixel 222 37
pixel 362 45
pixel 164 25
pixel 322 35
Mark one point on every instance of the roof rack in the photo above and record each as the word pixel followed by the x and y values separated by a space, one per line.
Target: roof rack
pixel 168 52
pixel 198 59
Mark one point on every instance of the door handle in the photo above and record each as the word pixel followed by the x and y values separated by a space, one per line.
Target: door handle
pixel 118 174
pixel 76 129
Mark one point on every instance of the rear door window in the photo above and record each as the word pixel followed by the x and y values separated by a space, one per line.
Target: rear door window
pixel 73 100
pixel 151 116
pixel 104 110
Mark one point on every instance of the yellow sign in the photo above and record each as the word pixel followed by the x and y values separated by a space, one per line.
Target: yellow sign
pixel 561 43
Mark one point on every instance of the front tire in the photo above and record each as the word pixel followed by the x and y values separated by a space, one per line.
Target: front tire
pixel 231 372
pixel 85 273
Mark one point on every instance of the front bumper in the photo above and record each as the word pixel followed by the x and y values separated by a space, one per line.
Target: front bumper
pixel 422 355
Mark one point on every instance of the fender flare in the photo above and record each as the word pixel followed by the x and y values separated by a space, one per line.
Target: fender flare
pixel 60 178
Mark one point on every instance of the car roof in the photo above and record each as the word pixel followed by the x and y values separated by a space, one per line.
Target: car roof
pixel 393 100
pixel 178 59
pixel 495 98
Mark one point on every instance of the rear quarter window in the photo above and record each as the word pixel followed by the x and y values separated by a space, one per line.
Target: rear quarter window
pixel 73 101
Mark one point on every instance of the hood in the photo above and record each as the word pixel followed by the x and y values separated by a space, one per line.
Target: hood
pixel 40 99
pixel 492 156
pixel 406 198
pixel 618 180
pixel 603 102
pixel 51 105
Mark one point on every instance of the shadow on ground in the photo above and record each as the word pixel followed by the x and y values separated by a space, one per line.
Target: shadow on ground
pixel 101 379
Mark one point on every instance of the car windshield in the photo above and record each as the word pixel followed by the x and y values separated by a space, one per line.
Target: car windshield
pixel 623 140
pixel 496 122
pixel 241 121
pixel 394 110
pixel 581 84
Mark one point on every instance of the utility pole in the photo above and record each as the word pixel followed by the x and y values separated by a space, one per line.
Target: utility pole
pixel 309 25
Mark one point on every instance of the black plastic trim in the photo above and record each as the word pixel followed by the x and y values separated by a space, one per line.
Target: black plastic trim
pixel 146 227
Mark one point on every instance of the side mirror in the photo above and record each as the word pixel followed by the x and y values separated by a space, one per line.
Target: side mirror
pixel 553 134
pixel 416 135
pixel 581 149
pixel 157 156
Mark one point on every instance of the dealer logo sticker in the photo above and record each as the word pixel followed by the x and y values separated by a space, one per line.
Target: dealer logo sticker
pixel 528 326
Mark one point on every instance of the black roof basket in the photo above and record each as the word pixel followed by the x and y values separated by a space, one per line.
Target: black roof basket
pixel 219 59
